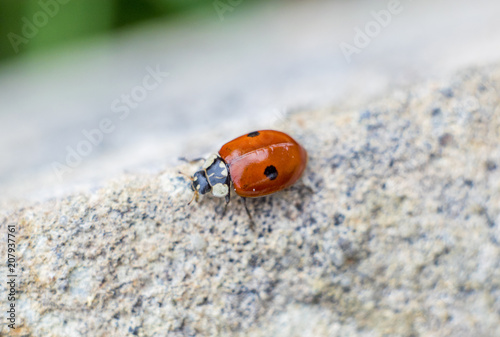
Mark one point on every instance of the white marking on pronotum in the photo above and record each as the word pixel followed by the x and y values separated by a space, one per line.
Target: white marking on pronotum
pixel 224 171
pixel 210 160
pixel 220 190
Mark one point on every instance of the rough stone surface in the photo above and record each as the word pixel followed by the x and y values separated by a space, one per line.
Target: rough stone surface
pixel 393 231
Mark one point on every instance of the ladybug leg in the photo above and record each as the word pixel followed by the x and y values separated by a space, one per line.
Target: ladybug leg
pixel 195 196
pixel 252 223
pixel 224 211
pixel 192 161
pixel 225 206
pixel 228 196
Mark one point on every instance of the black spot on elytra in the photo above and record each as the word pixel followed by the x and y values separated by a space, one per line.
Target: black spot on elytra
pixel 253 134
pixel 271 172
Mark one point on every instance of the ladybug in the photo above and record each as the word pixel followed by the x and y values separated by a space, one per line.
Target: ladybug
pixel 257 164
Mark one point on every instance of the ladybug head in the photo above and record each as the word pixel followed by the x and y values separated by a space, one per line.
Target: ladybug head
pixel 200 183
pixel 213 177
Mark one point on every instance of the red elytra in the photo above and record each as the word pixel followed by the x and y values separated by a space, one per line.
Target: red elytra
pixel 263 162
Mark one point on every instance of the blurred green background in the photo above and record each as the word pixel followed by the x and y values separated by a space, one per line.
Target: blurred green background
pixel 25 28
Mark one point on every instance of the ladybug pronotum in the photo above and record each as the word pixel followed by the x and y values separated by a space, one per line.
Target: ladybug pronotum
pixel 257 164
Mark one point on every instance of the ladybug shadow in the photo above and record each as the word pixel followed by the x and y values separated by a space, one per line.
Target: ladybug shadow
pixel 261 211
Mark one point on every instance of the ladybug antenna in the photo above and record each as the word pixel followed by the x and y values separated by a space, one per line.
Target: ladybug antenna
pixel 185 175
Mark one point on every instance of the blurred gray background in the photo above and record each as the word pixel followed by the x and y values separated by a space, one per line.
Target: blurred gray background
pixel 229 72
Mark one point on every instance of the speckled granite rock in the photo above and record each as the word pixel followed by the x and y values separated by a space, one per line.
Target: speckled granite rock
pixel 393 231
